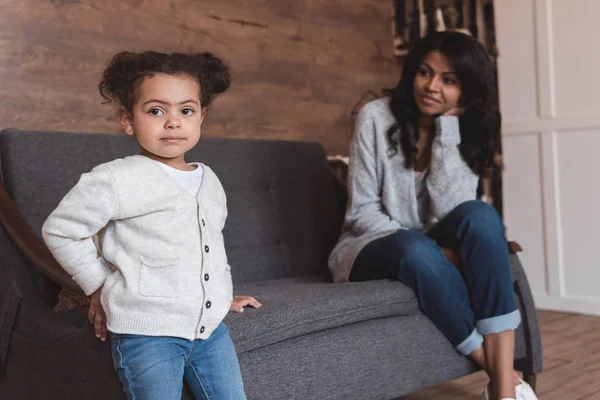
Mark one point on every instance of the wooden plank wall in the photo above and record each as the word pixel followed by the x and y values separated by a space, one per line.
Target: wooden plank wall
pixel 299 65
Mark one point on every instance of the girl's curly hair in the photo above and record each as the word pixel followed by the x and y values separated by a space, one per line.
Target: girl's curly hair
pixel 126 70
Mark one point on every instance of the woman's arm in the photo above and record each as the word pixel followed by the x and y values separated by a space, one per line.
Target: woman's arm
pixel 450 181
pixel 365 213
pixel 69 229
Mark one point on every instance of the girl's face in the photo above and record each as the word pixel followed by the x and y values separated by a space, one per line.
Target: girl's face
pixel 167 117
pixel 436 87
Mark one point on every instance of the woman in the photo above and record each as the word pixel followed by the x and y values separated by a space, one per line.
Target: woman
pixel 415 163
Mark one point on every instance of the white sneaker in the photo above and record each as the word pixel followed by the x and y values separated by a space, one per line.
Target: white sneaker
pixel 522 390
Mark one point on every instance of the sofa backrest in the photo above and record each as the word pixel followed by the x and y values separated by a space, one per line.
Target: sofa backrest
pixel 283 217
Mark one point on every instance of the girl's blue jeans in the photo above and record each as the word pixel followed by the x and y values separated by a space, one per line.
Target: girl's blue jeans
pixel 153 368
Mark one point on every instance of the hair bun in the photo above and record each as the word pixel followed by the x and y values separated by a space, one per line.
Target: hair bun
pixel 215 73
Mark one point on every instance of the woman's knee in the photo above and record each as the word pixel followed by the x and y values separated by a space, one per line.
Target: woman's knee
pixel 419 252
pixel 480 216
pixel 412 243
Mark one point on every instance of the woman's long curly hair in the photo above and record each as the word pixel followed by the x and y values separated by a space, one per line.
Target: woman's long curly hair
pixel 480 124
pixel 126 70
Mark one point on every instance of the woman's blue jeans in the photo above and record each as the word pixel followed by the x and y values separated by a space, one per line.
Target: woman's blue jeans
pixel 464 303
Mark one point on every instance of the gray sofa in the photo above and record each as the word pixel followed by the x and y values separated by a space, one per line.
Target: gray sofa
pixel 312 339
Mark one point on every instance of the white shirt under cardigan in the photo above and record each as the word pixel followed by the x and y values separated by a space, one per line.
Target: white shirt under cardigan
pixel 172 276
pixel 383 193
pixel 189 180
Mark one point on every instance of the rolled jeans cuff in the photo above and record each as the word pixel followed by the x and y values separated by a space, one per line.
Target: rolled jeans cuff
pixel 471 343
pixel 501 323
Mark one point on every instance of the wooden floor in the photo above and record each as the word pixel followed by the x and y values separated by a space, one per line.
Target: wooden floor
pixel 571 346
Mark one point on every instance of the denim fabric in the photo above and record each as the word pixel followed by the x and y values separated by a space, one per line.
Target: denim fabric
pixel 464 303
pixel 152 368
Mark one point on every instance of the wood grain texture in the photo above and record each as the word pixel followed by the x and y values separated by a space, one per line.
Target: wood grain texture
pixel 298 65
pixel 571 346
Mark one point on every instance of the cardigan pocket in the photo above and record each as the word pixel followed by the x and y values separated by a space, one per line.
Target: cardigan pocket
pixel 159 279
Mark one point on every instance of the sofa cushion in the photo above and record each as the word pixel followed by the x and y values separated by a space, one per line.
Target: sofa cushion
pixel 298 306
pixel 382 358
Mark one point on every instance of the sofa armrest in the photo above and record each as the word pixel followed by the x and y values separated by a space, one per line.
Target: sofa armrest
pixel 52 357
pixel 533 361
pixel 31 246
pixel 8 313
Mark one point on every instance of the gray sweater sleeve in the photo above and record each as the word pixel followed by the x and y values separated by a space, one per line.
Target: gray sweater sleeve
pixel 69 229
pixel 365 213
pixel 451 181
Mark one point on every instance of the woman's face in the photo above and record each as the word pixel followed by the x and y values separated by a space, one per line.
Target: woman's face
pixel 436 87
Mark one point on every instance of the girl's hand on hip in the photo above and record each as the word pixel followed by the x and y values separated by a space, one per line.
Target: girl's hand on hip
pixel 97 316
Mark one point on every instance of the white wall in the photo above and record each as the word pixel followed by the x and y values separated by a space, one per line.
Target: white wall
pixel 549 78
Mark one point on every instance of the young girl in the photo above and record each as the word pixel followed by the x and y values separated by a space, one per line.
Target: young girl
pixel 415 163
pixel 159 222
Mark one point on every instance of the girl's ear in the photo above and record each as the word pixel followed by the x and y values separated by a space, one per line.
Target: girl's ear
pixel 126 120
pixel 203 113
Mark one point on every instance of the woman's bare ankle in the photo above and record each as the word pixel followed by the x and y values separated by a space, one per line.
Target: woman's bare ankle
pixel 505 391
pixel 516 378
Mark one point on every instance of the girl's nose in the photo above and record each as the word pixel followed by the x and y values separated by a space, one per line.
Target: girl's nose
pixel 173 123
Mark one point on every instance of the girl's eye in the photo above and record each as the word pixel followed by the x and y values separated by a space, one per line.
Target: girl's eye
pixel 423 71
pixel 155 111
pixel 187 111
